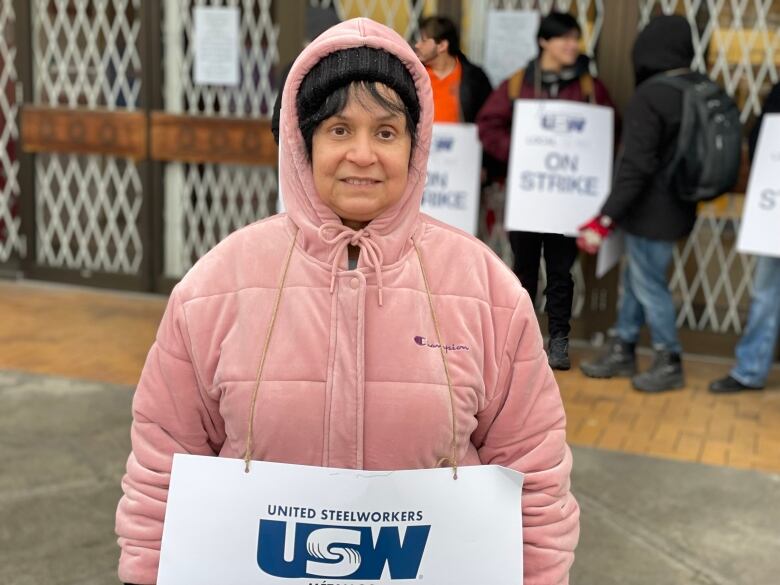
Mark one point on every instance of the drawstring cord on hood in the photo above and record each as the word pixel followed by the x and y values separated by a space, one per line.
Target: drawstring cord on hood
pixel 264 353
pixel 345 236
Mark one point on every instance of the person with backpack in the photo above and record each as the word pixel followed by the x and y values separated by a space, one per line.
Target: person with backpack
pixel 559 72
pixel 756 347
pixel 665 167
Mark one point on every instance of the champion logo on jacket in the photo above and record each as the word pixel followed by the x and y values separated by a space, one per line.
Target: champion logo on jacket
pixel 423 341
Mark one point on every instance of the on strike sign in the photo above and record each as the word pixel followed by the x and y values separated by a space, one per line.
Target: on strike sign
pixel 452 190
pixel 760 222
pixel 294 524
pixel 560 165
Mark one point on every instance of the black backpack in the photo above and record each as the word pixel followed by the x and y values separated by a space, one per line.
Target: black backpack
pixel 706 161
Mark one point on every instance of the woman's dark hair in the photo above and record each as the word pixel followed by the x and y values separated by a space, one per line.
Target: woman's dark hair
pixel 325 89
pixel 557 24
pixel 441 28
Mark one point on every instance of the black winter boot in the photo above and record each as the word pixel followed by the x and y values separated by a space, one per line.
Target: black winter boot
pixel 665 373
pixel 558 353
pixel 617 360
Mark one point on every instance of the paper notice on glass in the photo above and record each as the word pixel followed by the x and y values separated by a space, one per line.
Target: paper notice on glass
pixel 510 42
pixel 216 45
pixel 759 233
pixel 284 523
pixel 610 253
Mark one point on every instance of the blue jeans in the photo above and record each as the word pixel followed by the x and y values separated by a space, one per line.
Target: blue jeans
pixel 756 347
pixel 646 297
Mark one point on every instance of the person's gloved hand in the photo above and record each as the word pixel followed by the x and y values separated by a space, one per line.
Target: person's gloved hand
pixel 593 233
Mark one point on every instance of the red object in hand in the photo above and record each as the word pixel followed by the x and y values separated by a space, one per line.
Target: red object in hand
pixel 593 233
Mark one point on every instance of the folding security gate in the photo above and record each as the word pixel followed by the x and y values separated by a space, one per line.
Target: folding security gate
pixel 86 214
pixel 12 243
pixel 209 196
pixel 121 184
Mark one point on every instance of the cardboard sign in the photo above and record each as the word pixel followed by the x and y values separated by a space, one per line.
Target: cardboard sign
pixel 452 189
pixel 610 253
pixel 216 45
pixel 760 231
pixel 284 523
pixel 560 165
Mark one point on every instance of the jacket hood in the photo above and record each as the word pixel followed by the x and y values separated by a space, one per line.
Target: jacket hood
pixel 391 232
pixel 664 44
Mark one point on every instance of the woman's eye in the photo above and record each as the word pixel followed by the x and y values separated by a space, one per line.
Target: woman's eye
pixel 339 131
pixel 386 134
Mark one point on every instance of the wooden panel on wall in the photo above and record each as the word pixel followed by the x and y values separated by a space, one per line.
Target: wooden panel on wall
pixel 81 131
pixel 212 140
pixel 613 54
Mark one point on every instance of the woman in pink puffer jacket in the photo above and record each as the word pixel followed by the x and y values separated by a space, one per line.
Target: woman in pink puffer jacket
pixel 365 334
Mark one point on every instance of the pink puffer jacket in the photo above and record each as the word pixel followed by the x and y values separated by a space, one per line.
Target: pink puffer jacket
pixel 353 378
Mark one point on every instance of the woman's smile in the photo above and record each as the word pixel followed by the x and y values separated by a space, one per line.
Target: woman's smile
pixel 360 181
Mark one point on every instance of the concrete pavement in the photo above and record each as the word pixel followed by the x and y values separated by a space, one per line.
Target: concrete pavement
pixel 645 521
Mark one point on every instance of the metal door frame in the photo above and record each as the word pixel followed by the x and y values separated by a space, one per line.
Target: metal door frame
pixel 162 133
pixel 148 47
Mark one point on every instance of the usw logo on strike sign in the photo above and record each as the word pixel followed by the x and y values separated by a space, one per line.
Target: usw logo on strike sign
pixel 443 143
pixel 563 123
pixel 344 552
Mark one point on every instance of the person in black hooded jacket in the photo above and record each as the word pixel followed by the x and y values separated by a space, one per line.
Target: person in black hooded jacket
pixel 652 216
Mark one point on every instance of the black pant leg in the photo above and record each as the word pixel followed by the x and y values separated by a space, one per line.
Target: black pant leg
pixel 527 250
pixel 560 252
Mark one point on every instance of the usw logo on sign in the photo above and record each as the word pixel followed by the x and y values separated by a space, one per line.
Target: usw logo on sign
pixel 344 552
pixel 563 123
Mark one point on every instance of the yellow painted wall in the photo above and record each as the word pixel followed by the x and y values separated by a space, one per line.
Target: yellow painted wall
pixel 397 17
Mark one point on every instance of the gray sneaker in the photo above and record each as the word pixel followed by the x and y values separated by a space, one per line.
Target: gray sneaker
pixel 665 373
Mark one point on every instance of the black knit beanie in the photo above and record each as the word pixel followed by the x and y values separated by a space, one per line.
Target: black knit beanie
pixel 341 68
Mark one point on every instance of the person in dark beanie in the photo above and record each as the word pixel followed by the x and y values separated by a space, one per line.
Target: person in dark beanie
pixel 459 87
pixel 352 331
pixel 559 72
pixel 650 213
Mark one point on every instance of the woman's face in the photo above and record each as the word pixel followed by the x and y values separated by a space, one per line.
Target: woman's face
pixel 360 158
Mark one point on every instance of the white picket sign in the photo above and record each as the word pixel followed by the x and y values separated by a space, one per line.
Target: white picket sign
pixel 560 165
pixel 283 523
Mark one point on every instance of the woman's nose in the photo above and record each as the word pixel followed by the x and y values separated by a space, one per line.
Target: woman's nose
pixel 361 151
